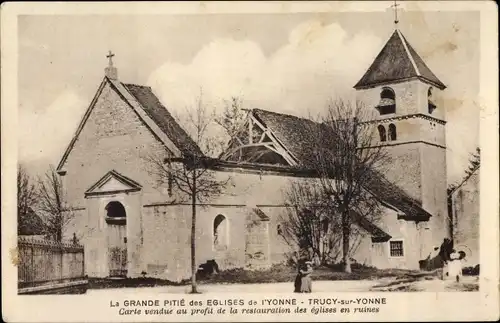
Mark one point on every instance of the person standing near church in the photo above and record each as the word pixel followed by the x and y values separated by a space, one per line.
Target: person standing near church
pixel 455 266
pixel 298 277
pixel 306 280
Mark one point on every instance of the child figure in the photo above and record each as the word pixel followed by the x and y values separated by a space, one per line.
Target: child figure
pixel 455 266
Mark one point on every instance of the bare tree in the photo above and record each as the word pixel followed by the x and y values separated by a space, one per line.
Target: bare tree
pixel 52 204
pixel 26 200
pixel 474 162
pixel 233 117
pixel 190 173
pixel 306 222
pixel 312 221
pixel 345 159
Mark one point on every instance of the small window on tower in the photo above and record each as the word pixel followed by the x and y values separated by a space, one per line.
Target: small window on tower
pixel 381 132
pixel 430 101
pixel 170 184
pixel 279 230
pixel 396 248
pixel 387 102
pixel 392 132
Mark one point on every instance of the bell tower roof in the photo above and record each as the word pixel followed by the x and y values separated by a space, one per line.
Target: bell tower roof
pixel 397 61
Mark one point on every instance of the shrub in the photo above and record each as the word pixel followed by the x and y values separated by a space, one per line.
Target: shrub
pixel 471 271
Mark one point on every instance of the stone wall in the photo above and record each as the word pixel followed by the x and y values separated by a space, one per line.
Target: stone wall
pixel 466 215
pixel 257 241
pixel 113 138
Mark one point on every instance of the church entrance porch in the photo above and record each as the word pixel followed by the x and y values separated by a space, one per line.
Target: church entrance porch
pixel 114 245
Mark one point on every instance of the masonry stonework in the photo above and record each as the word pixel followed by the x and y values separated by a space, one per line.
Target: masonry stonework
pixel 465 214
pixel 253 205
pixel 113 138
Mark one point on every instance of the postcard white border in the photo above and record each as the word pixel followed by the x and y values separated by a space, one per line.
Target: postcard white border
pixel 471 306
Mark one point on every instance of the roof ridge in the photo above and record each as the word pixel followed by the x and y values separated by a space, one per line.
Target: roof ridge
pixel 133 84
pixel 397 60
pixel 410 56
pixel 285 114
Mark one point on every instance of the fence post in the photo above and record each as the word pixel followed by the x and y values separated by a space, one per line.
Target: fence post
pixel 50 257
pixel 83 262
pixel 32 271
pixel 62 261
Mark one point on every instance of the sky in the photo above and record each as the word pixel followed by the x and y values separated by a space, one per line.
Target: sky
pixel 290 63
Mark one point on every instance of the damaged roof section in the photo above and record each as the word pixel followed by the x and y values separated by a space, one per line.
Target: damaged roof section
pixel 300 135
pixel 297 135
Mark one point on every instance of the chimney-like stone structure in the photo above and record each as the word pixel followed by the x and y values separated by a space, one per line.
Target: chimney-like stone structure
pixel 111 71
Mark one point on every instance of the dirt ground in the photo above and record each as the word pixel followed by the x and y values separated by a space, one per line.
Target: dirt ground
pixel 428 284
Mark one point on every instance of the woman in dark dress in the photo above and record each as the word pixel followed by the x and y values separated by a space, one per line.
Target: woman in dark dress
pixel 303 281
pixel 306 280
pixel 298 278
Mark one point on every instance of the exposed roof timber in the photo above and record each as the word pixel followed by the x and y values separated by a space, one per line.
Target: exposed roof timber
pixel 274 145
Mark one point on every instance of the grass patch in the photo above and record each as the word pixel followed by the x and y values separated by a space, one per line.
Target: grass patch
pixel 463 287
pixel 404 288
pixel 102 283
pixel 283 273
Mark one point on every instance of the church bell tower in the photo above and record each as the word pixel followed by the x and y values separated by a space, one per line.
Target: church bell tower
pixel 409 120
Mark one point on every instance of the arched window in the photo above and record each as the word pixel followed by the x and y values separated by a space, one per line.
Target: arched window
pixel 387 102
pixel 430 102
pixel 115 213
pixel 388 93
pixel 392 132
pixel 220 232
pixel 381 132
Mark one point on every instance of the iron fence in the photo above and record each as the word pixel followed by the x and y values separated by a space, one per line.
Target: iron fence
pixel 48 262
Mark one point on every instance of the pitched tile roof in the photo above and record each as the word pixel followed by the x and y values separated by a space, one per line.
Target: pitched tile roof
pixel 378 235
pixel 298 135
pixel 150 111
pixel 295 134
pixel 393 196
pixel 162 117
pixel 397 61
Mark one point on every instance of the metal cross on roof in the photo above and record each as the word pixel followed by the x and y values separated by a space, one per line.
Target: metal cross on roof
pixel 110 57
pixel 395 6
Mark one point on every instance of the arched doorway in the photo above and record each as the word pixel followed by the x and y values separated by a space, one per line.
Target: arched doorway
pixel 116 218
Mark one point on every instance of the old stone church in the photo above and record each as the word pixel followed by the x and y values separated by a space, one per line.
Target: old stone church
pixel 130 224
